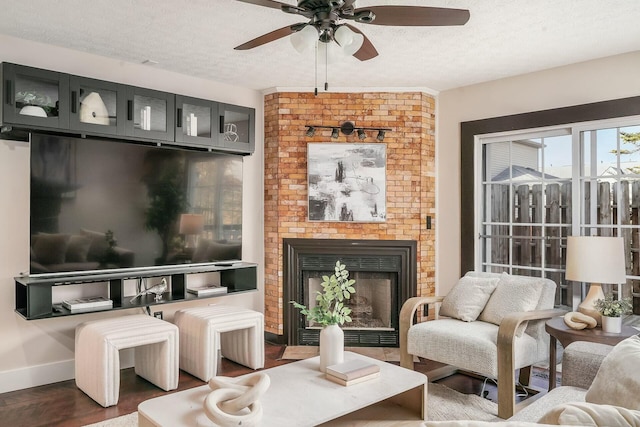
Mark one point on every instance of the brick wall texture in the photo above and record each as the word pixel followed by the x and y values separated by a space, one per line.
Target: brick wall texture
pixel 410 176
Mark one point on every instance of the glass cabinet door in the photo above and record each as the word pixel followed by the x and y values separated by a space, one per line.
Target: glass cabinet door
pixel 194 121
pixel 237 128
pixel 35 97
pixel 150 114
pixel 96 106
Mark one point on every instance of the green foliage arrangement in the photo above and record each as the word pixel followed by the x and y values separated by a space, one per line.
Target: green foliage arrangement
pixel 330 308
pixel 612 307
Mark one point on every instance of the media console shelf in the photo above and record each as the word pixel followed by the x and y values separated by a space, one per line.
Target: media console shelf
pixel 34 294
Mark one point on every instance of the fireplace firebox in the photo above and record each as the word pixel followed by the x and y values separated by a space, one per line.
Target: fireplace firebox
pixel 385 274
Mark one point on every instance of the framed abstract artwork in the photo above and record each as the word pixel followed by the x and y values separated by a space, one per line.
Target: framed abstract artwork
pixel 347 182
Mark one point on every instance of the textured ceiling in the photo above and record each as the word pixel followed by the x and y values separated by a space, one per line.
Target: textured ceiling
pixel 196 37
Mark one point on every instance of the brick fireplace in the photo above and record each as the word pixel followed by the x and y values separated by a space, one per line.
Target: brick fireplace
pixel 385 275
pixel 410 180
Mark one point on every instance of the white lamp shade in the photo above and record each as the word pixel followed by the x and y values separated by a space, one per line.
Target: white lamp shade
pixel 596 259
pixel 191 224
pixel 349 40
pixel 304 39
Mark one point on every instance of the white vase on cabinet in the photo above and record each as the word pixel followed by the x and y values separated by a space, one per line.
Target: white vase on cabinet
pixel 331 346
pixel 612 325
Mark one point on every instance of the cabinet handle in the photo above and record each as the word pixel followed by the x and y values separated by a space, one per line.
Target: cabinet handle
pixel 179 118
pixel 221 124
pixel 9 92
pixel 74 101
pixel 129 109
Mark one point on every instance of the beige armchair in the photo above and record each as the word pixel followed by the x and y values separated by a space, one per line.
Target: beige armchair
pixel 489 323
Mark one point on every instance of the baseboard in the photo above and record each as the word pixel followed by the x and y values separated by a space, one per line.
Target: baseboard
pixel 274 339
pixel 34 376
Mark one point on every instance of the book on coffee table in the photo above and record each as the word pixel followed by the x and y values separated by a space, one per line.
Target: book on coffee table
pixel 353 381
pixel 352 369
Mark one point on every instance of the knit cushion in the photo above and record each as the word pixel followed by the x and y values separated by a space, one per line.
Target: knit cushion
pixel 617 381
pixel 468 297
pixel 589 414
pixel 510 296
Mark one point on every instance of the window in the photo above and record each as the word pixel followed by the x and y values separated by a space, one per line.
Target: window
pixel 215 191
pixel 537 187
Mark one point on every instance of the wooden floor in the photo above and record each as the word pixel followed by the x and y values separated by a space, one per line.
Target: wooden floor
pixel 64 405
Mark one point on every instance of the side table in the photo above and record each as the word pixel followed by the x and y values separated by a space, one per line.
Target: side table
pixel 559 331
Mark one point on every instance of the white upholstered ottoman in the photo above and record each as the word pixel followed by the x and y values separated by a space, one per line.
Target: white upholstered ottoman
pixel 97 360
pixel 237 332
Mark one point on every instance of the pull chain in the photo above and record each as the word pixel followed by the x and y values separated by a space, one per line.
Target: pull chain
pixel 326 67
pixel 315 92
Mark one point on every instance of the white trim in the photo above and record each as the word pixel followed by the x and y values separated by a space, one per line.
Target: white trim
pixel 38 375
pixel 352 90
pixel 34 376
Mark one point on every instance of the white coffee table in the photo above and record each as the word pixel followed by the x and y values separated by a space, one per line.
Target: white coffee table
pixel 299 395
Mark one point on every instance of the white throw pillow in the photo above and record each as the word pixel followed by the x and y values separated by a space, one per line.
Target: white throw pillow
pixel 468 297
pixel 511 295
pixel 591 414
pixel 618 379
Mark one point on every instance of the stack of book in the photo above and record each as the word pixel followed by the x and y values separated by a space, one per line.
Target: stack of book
pixel 207 290
pixel 352 372
pixel 82 305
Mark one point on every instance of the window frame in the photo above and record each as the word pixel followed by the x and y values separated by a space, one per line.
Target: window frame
pixel 578 117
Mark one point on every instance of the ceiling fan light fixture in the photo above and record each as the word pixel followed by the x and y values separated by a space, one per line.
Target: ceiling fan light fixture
pixel 348 40
pixel 304 39
pixel 311 131
pixel 361 134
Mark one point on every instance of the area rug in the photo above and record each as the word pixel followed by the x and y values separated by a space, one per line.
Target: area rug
pixel 443 404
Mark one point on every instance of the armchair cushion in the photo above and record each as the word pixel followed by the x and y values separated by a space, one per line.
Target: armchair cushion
pixel 468 297
pixel 511 295
pixel 468 345
pixel 617 382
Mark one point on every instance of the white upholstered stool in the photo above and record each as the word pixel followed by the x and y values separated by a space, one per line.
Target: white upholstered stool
pixel 235 331
pixel 97 362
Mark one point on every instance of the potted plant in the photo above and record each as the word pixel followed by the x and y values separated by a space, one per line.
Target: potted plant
pixel 612 311
pixel 331 311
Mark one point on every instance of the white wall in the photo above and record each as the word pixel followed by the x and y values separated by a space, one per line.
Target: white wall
pixel 599 80
pixel 41 351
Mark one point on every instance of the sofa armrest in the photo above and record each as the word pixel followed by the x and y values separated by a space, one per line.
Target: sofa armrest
pixel 407 314
pixel 506 336
pixel 581 361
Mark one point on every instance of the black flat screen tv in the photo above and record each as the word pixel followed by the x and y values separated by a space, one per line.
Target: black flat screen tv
pixel 99 205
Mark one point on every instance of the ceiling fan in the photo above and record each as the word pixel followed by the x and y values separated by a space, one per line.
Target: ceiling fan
pixel 325 17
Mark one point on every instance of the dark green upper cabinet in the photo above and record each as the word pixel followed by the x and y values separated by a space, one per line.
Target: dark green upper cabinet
pixel 237 128
pixel 150 114
pixel 196 122
pixel 97 107
pixel 34 97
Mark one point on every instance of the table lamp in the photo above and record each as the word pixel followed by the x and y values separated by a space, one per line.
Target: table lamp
pixel 190 226
pixel 597 260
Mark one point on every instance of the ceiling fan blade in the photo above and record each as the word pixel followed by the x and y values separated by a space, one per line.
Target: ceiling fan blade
pixel 266 38
pixel 366 51
pixel 417 15
pixel 266 3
